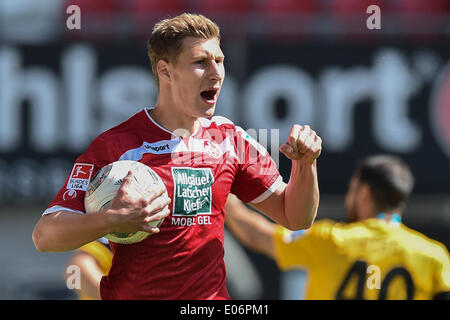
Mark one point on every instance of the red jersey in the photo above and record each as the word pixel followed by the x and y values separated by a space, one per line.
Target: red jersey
pixel 185 260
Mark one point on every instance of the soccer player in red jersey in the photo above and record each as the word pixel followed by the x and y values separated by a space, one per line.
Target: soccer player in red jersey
pixel 201 159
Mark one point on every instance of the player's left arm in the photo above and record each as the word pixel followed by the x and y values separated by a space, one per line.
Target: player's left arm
pixel 294 205
pixel 249 227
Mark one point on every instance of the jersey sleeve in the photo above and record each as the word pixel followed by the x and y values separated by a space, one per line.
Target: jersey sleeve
pixel 442 278
pixel 302 248
pixel 257 176
pixel 71 196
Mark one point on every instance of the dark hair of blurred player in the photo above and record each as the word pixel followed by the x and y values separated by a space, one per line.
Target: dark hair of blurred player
pixel 381 183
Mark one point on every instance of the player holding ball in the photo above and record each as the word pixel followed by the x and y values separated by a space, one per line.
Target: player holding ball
pixel 200 158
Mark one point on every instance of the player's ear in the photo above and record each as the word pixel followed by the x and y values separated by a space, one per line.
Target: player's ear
pixel 162 68
pixel 365 193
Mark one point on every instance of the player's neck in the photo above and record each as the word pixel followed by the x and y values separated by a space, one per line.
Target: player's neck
pixel 178 125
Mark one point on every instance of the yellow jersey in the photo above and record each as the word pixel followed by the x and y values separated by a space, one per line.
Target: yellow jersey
pixel 101 252
pixel 371 259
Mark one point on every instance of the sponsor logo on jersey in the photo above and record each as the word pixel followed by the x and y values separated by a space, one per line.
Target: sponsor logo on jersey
pixel 159 147
pixel 192 191
pixel 80 176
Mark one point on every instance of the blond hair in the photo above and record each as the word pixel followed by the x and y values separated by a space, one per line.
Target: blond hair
pixel 167 37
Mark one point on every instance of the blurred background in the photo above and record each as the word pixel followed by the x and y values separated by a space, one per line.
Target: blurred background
pixel 288 61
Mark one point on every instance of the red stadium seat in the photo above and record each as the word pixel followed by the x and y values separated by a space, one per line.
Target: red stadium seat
pixel 288 6
pixel 145 13
pixel 214 7
pixel 157 6
pixel 421 6
pixel 350 7
pixel 98 18
pixel 418 16
pixel 287 20
pixel 349 18
pixel 97 6
pixel 230 15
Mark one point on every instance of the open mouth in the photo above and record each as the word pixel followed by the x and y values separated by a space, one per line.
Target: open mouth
pixel 209 95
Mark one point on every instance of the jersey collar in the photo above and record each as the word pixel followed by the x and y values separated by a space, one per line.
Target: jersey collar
pixel 396 219
pixel 173 135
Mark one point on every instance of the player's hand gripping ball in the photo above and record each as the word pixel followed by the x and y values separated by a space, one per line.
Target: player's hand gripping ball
pixel 104 186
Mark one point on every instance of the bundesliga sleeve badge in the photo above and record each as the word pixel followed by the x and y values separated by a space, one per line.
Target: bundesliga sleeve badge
pixel 80 176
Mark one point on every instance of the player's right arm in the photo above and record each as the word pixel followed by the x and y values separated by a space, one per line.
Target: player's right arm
pixel 65 230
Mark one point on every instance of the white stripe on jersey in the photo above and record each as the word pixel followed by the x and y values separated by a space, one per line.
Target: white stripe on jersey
pixel 159 147
pixel 60 208
pixel 269 191
pixel 177 145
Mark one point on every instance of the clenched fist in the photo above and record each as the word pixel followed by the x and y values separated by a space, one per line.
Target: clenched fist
pixel 303 144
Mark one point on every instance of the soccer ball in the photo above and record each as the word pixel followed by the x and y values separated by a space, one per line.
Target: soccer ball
pixel 103 188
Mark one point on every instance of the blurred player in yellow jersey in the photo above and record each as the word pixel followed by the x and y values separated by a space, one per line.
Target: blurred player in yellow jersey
pixel 94 260
pixel 374 256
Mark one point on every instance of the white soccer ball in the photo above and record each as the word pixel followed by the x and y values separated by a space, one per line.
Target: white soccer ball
pixel 104 185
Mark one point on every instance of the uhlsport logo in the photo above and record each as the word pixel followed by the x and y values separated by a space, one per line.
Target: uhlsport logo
pixel 192 195
pixel 163 147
